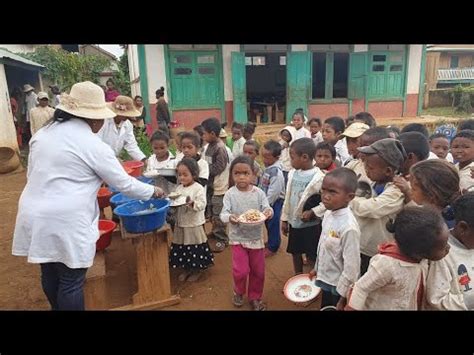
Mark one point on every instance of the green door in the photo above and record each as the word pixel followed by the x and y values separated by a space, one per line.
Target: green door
pixel 357 75
pixel 239 87
pixel 298 69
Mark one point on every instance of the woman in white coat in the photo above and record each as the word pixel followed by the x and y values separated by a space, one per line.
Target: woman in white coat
pixel 117 132
pixel 57 221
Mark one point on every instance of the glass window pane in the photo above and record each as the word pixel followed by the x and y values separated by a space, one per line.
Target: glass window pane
pixel 378 67
pixel 205 59
pixel 206 70
pixel 283 60
pixel 379 58
pixel 182 71
pixel 341 69
pixel 258 60
pixel 396 57
pixel 319 75
pixel 397 67
pixel 248 60
pixel 179 59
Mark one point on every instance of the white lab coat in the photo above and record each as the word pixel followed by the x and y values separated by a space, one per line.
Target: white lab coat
pixel 120 138
pixel 58 213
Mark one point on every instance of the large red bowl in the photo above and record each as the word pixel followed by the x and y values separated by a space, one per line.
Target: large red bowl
pixel 106 229
pixel 133 167
pixel 103 197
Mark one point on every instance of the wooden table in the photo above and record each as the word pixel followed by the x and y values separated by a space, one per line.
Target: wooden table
pixel 154 286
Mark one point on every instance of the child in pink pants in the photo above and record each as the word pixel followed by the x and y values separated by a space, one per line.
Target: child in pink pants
pixel 248 248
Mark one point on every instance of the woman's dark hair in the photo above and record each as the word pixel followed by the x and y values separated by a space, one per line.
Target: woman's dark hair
pixel 160 91
pixel 304 146
pixel 253 144
pixel 466 124
pixel 367 118
pixel 416 143
pixel 63 116
pixel 193 137
pixel 416 230
pixel 212 125
pixel 237 126
pixel 249 128
pixel 160 136
pixel 337 123
pixel 315 119
pixel 416 127
pixel 464 209
pixel 137 97
pixel 437 179
pixel 241 159
pixel 466 133
pixel 192 165
pixel 326 146
pixel 273 147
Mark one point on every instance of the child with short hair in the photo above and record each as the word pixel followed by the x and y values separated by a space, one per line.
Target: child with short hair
pixel 325 156
pixel 416 146
pixel 251 149
pixel 366 118
pixel 333 127
pixel 462 148
pixel 237 139
pixel 179 154
pixel 382 160
pixel 249 130
pixel 273 184
pixel 448 286
pixel 200 131
pixel 338 262
pixel 218 160
pixel 439 145
pixel 315 126
pixel 298 126
pixel 248 256
pixel 396 276
pixel 286 139
pixel 161 158
pixel 304 181
pixel 190 249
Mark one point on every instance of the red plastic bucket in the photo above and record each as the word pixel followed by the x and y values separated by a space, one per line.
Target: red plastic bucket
pixel 106 229
pixel 135 166
pixel 103 197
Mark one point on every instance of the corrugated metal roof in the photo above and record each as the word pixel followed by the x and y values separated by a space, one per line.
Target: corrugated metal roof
pixel 9 55
pixel 450 49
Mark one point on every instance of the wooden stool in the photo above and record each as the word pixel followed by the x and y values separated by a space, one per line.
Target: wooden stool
pixel 154 286
pixel 95 295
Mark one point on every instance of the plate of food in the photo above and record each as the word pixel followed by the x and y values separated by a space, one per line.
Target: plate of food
pixel 177 199
pixel 253 217
pixel 174 195
pixel 301 289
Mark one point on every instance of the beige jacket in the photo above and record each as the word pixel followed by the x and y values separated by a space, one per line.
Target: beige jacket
pixel 39 116
pixel 373 214
pixel 466 181
pixel 192 216
pixel 389 284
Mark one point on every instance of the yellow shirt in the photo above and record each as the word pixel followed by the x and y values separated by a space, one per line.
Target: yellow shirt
pixel 38 117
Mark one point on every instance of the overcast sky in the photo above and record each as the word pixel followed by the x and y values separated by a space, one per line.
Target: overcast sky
pixel 112 48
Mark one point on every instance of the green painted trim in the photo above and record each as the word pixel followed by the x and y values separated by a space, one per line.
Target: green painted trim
pixel 144 79
pixel 220 57
pixel 407 57
pixel 368 64
pixel 421 87
pixel 168 79
pixel 329 76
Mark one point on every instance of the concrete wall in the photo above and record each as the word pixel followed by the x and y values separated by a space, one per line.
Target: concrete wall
pixel 134 69
pixel 414 68
pixel 156 70
pixel 7 127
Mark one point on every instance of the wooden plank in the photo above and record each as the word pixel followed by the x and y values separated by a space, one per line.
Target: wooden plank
pixel 151 305
pixel 95 292
pixel 126 235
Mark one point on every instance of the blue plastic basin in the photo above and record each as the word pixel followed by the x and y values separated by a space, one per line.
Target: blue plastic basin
pixel 146 180
pixel 146 221
pixel 120 199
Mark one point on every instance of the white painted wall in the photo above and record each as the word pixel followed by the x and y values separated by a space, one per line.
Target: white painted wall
pixel 414 68
pixel 7 127
pixel 361 47
pixel 227 49
pixel 156 70
pixel 133 68
pixel 299 47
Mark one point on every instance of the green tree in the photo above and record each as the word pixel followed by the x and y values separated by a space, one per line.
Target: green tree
pixel 122 77
pixel 66 68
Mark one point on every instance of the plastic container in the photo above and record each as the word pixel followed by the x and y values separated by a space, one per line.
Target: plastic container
pixel 106 229
pixel 137 219
pixel 103 197
pixel 135 166
pixel 146 180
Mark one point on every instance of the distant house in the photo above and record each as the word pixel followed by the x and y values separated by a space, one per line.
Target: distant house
pixel 239 82
pixel 92 49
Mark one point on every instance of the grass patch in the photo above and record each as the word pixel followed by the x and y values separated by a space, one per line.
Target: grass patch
pixel 446 111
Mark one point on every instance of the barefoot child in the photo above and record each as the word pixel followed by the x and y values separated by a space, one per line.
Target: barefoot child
pixel 248 255
pixel 190 249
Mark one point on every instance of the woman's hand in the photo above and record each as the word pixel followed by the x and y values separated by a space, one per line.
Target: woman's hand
pixel 234 219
